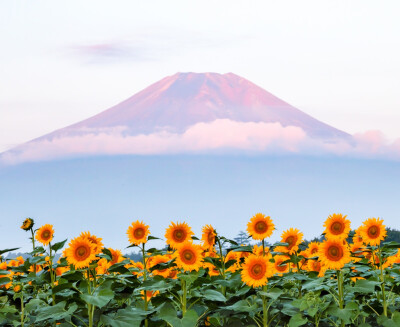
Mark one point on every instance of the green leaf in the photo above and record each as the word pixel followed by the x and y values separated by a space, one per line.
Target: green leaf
pixel 213 295
pixel 343 314
pixel 8 250
pixel 168 313
pixel 99 299
pixel 364 286
pixel 129 317
pixel 242 306
pixel 59 245
pixel 56 312
pixel 297 320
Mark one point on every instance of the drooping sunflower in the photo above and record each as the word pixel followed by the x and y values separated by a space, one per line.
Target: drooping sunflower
pixel 334 254
pixel 80 252
pixel 256 271
pixel 177 234
pixel 45 234
pixel 314 265
pixel 373 231
pixel 279 266
pixel 138 232
pixel 293 237
pixel 208 237
pixel 337 226
pixel 188 256
pixel 27 224
pixel 260 226
pixel 95 240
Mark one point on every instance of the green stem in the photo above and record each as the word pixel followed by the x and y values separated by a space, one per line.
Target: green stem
pixel 90 309
pixel 223 289
pixel 146 304
pixel 33 245
pixel 341 293
pixel 382 278
pixel 52 274
pixel 22 310
pixel 265 308
pixel 184 297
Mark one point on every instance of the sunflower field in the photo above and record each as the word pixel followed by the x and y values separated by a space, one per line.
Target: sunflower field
pixel 212 281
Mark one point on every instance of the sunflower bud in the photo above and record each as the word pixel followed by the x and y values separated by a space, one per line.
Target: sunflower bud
pixel 27 224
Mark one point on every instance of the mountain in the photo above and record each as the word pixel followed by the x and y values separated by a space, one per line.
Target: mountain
pixel 190 112
pixel 179 101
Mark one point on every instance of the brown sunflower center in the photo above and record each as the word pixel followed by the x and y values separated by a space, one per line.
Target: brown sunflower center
pixel 82 252
pixel 46 235
pixel 179 235
pixel 138 233
pixel 261 227
pixel 373 232
pixel 337 228
pixel 257 271
pixel 316 266
pixel 188 257
pixel 314 250
pixel 335 253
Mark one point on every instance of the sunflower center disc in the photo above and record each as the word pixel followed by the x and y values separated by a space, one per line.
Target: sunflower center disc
pixel 46 234
pixel 261 226
pixel 139 232
pixel 335 253
pixel 373 231
pixel 290 240
pixel 179 235
pixel 257 269
pixel 81 251
pixel 280 267
pixel 337 227
pixel 188 255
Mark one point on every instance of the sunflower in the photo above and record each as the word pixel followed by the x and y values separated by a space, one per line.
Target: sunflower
pixel 116 256
pixel 164 272
pixel 260 226
pixel 177 234
pixel 232 256
pixel 208 237
pixel 138 232
pixel 27 224
pixel 314 265
pixel 293 237
pixel 98 244
pixel 312 249
pixel 188 256
pixel 80 252
pixel 45 234
pixel 373 231
pixel 256 271
pixel 358 251
pixel 102 266
pixel 149 294
pixel 279 266
pixel 17 288
pixel 333 254
pixel 337 226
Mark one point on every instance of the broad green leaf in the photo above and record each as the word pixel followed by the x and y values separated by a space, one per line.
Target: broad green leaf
pixel 213 295
pixel 297 320
pixel 168 313
pixel 59 245
pixel 364 286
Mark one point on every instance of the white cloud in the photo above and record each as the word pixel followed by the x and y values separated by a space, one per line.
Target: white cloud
pixel 219 136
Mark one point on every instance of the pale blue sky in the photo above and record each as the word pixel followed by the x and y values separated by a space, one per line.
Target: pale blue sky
pixel 63 61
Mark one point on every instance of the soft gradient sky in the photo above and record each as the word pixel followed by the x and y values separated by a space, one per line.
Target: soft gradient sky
pixel 61 62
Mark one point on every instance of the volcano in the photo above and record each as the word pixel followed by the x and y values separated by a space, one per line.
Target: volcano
pixel 187 112
pixel 179 101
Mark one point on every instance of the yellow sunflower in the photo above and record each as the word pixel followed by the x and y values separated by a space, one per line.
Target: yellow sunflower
pixel 256 271
pixel 157 260
pixel 260 226
pixel 333 254
pixel 312 249
pixel 116 256
pixel 27 224
pixel 278 266
pixel 138 232
pixel 45 234
pixel 177 234
pixel 337 226
pixel 314 265
pixel 80 252
pixel 98 244
pixel 230 256
pixel 373 231
pixel 189 257
pixel 208 237
pixel 293 237
pixel 149 294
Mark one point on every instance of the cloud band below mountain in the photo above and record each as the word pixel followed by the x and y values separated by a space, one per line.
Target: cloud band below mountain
pixel 219 136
